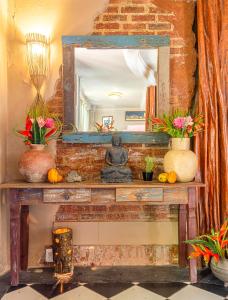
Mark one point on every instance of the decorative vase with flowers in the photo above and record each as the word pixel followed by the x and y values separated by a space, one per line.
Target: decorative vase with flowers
pixel 40 128
pixel 213 247
pixel 181 126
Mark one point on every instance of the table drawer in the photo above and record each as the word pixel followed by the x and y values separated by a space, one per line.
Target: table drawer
pixel 139 194
pixel 67 195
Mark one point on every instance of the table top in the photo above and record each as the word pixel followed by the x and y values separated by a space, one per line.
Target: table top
pixel 20 184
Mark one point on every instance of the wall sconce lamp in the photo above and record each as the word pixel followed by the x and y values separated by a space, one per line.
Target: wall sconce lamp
pixel 38 59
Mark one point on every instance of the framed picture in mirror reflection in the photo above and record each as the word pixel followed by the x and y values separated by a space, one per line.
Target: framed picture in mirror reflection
pixel 107 121
pixel 135 115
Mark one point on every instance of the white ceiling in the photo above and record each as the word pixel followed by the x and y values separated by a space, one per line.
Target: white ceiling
pixel 103 71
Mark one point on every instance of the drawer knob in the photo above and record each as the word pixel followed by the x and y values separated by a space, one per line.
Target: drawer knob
pixel 66 196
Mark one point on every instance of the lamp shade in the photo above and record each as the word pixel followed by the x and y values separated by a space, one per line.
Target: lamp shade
pixel 37 58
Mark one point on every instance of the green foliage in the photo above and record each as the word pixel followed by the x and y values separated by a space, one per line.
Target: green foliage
pixel 150 164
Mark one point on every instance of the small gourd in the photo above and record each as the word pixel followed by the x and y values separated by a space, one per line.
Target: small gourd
pixel 163 177
pixel 54 176
pixel 172 177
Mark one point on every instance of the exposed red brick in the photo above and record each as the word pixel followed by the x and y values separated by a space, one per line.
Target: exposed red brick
pixel 134 26
pixel 114 33
pixel 112 9
pixel 107 26
pixel 146 32
pixel 114 18
pixel 132 9
pixel 143 18
pixel 116 212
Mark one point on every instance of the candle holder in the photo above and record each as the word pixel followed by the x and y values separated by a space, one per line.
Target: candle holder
pixel 63 253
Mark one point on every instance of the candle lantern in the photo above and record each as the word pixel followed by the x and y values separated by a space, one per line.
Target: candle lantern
pixel 63 253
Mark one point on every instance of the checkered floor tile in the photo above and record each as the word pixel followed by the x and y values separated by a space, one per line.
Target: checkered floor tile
pixel 119 291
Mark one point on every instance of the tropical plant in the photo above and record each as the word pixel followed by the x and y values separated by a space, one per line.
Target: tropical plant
pixel 150 164
pixel 214 244
pixel 179 124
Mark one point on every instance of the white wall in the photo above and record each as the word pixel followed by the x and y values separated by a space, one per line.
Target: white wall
pixel 4 240
pixel 120 124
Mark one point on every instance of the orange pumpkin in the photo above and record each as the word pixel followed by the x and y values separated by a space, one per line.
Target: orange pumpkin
pixel 172 177
pixel 54 176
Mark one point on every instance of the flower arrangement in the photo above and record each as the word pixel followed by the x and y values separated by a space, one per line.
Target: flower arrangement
pixel 40 125
pixel 211 245
pixel 179 124
pixel 104 128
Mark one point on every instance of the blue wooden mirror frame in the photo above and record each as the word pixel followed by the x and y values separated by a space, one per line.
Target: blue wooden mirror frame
pixel 108 42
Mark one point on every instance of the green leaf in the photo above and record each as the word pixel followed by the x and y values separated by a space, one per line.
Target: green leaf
pixel 36 132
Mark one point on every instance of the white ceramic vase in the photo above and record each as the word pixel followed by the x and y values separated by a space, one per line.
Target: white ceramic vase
pixel 181 160
pixel 220 270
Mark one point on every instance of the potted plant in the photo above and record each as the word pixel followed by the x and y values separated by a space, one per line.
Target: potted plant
pixel 214 249
pixel 40 128
pixel 148 173
pixel 181 126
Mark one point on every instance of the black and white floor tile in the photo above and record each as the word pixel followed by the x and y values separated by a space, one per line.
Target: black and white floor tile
pixel 119 291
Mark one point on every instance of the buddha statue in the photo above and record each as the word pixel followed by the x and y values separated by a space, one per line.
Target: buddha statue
pixel 116 159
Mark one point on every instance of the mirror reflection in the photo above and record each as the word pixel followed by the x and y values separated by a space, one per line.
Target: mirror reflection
pixel 116 88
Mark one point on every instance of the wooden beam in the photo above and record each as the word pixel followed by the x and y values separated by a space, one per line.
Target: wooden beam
pixel 154 138
pixel 117 41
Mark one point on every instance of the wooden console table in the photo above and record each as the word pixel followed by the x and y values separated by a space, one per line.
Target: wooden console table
pixel 22 194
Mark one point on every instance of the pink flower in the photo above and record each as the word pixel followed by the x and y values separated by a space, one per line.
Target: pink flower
pixel 40 121
pixel 188 121
pixel 49 123
pixel 179 122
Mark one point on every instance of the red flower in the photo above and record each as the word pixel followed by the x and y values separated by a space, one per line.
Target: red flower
pixel 25 133
pixel 224 243
pixel 198 251
pixel 51 132
pixel 28 124
pixel 157 121
pixel 224 228
pixel 189 129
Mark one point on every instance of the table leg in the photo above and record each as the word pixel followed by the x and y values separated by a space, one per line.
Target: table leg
pixel 182 230
pixel 192 230
pixel 15 212
pixel 24 237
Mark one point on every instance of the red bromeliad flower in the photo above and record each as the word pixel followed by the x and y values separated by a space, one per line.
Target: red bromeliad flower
pixel 26 133
pixel 211 245
pixel 28 124
pixel 40 130
pixel 51 132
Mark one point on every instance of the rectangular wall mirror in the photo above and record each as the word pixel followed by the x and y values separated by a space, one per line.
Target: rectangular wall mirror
pixel 115 83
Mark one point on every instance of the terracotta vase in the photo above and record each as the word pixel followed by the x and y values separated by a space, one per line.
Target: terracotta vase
pixel 220 270
pixel 181 160
pixel 35 163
